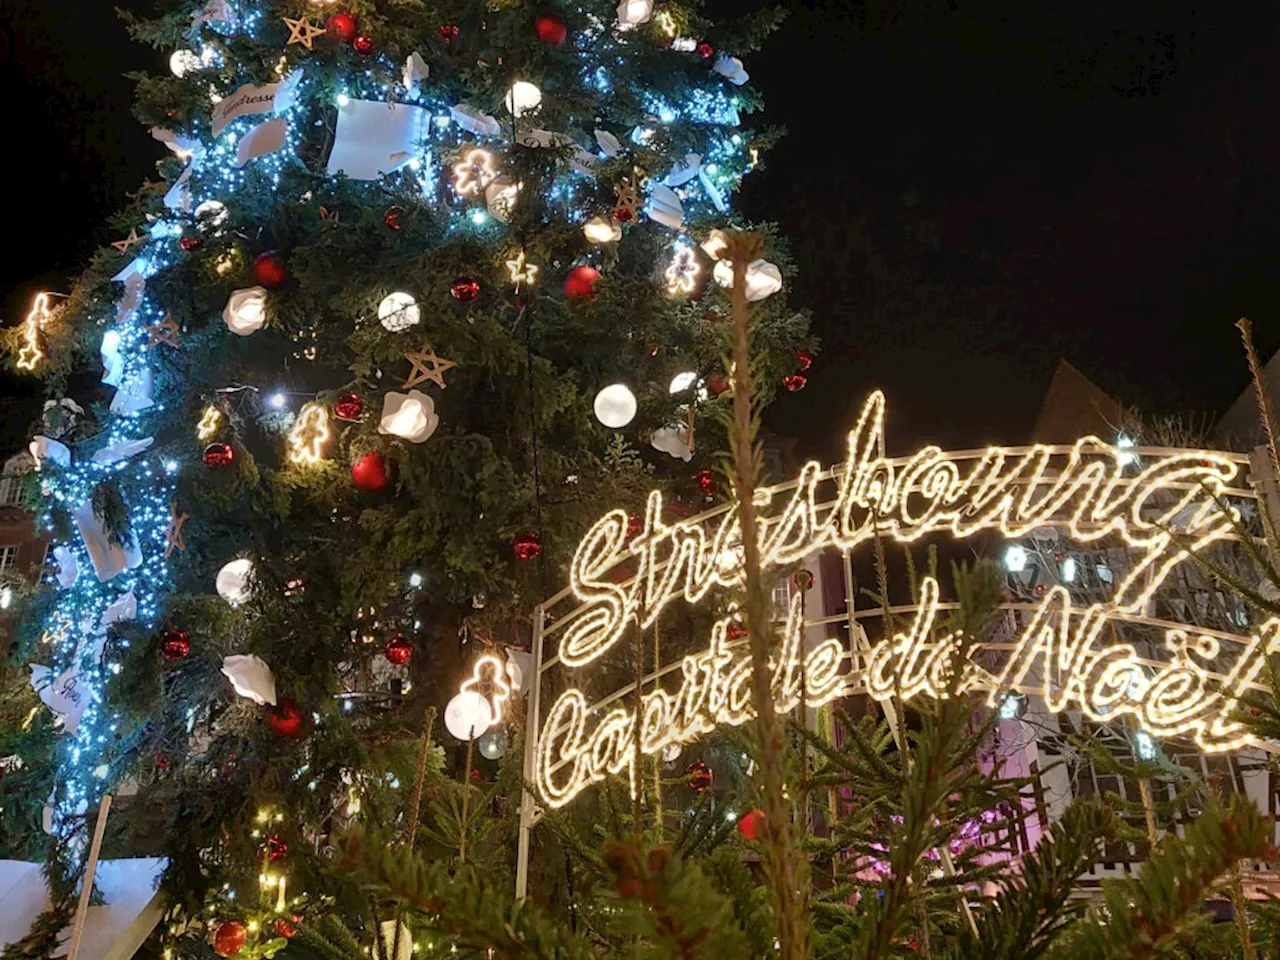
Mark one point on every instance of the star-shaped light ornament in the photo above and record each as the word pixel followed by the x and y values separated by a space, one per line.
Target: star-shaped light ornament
pixel 309 434
pixel 302 31
pixel 427 366
pixel 209 422
pixel 174 540
pixel 522 271
pixel 30 354
pixel 166 331
pixel 131 240
pixel 474 172
pixel 330 215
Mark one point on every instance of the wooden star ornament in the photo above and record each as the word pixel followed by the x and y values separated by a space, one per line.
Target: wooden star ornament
pixel 302 31
pixel 427 366
pixel 173 536
pixel 166 331
pixel 131 240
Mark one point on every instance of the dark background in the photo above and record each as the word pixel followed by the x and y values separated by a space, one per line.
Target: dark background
pixel 972 190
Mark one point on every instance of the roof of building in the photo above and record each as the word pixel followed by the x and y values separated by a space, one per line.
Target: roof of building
pixel 1073 407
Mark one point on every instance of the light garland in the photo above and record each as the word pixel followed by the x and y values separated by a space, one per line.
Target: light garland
pixel 1085 489
pixel 522 272
pixel 210 420
pixel 683 271
pixel 474 172
pixel 30 355
pixel 499 691
pixel 309 434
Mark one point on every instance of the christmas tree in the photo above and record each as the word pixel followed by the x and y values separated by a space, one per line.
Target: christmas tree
pixel 423 290
pixel 435 310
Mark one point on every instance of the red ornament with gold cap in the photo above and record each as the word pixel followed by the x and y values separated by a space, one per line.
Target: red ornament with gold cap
pixel 398 650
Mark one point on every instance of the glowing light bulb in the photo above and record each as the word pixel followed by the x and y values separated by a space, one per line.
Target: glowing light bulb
pixel 276 400
pixel 523 97
pixel 1015 558
pixel 615 406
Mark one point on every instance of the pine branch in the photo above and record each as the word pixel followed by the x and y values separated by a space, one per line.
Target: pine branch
pixel 1030 913
pixel 1141 917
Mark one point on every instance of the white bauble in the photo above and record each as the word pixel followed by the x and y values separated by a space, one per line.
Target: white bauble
pixel 399 311
pixel 234 580
pixel 523 97
pixel 468 715
pixel 615 406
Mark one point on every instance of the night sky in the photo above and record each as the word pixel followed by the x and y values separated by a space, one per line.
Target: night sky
pixel 973 190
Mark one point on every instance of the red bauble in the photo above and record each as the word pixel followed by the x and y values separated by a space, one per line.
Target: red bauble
pixel 527 546
pixel 705 50
pixel 218 454
pixel 464 288
pixel 369 473
pixel 805 358
pixel 802 580
pixel 716 385
pixel 749 825
pixel 623 214
pixel 398 650
pixel 580 284
pixel 162 761
pixel 392 218
pixel 176 645
pixel 698 775
pixel 348 406
pixel 284 928
pixel 276 849
pixel 448 31
pixel 363 45
pixel 734 630
pixel 705 480
pixel 269 269
pixel 550 29
pixel 189 243
pixel 231 936
pixel 342 26
pixel 286 719
pixel 635 523
pixel 795 382
pixel 1039 590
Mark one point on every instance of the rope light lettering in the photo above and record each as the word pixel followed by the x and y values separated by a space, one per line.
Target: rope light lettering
pixel 1163 508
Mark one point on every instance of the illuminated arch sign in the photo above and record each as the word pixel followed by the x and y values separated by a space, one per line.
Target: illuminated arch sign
pixel 1164 505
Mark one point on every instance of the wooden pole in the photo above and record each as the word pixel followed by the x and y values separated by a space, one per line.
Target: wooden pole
pixel 90 869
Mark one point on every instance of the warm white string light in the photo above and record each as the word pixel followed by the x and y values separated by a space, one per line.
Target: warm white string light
pixel 210 420
pixel 309 434
pixel 30 354
pixel 1083 489
pixel 474 172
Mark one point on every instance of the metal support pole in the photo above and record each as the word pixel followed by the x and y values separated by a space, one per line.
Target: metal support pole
pixel 528 803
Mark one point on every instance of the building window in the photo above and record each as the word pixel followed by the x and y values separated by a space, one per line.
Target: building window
pixel 12 491
pixel 8 557
pixel 781 599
